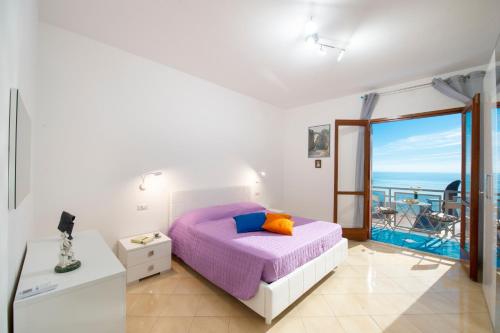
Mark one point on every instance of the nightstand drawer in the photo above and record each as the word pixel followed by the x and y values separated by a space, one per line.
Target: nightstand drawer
pixel 149 268
pixel 148 253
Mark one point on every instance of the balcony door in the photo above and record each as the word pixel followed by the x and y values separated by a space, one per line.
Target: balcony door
pixel 351 205
pixel 469 229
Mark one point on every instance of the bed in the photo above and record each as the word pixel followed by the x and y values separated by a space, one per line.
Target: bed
pixel 265 271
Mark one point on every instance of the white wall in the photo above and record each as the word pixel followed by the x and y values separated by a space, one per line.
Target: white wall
pixel 18 36
pixel 309 191
pixel 107 116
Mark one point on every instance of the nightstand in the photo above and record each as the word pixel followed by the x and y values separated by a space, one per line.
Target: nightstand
pixel 145 260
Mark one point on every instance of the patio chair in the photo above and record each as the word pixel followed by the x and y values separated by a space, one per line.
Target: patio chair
pixel 448 217
pixel 387 214
pixel 449 196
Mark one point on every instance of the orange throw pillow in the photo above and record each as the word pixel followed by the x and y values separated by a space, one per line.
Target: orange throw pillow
pixel 274 216
pixel 280 225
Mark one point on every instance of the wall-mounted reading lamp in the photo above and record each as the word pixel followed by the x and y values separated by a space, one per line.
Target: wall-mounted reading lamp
pixel 142 187
pixel 263 175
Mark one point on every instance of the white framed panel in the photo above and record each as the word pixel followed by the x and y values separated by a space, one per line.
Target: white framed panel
pixel 350 211
pixel 350 136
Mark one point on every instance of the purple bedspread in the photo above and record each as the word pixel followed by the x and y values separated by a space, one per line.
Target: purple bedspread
pixel 206 240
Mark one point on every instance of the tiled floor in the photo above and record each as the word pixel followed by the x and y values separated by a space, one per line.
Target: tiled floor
pixel 378 289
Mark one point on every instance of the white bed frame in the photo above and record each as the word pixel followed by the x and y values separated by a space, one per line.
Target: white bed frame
pixel 271 298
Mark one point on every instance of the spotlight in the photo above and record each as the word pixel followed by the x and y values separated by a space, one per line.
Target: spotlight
pixel 311 27
pixel 341 55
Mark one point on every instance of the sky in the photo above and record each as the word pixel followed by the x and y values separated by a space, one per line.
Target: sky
pixel 430 144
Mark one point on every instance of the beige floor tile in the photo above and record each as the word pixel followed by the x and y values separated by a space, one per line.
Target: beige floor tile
pixel 192 286
pixel 140 324
pixel 137 287
pixel 412 284
pixel 430 323
pixel 239 309
pixel 162 284
pixel 180 268
pixel 248 325
pixel 395 324
pixel 368 270
pixel 131 299
pixel 347 285
pixel 453 302
pixel 457 271
pixel 383 285
pixel 288 325
pixel 444 283
pixel 314 305
pixel 359 259
pixel 394 258
pixel 172 325
pixel 469 322
pixel 407 304
pixel 180 305
pixel 360 248
pixel 209 325
pixel 428 271
pixel 344 305
pixel 467 301
pixel 347 271
pixel 357 324
pixel 214 305
pixel 376 304
pixel 379 288
pixel 148 305
pixel 394 270
pixel 438 303
pixel 322 324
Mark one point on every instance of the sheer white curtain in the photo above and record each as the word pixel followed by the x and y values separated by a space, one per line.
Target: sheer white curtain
pixel 369 102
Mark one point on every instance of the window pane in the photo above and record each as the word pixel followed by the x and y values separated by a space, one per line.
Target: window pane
pixel 350 211
pixel 349 158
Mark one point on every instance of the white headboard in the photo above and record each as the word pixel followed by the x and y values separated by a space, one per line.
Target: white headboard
pixel 183 201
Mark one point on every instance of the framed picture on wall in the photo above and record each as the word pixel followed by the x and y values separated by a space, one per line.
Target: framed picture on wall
pixel 319 141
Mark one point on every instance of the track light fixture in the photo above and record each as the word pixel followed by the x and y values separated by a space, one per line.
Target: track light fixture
pixel 314 39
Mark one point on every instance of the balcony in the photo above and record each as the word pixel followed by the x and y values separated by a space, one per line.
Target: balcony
pixel 421 219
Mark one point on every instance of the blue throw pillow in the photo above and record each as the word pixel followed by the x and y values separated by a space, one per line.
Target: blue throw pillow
pixel 250 222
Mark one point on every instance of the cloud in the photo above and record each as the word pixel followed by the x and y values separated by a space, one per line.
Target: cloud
pixel 450 138
pixel 434 152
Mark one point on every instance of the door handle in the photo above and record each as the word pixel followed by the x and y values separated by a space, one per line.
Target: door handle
pixel 489 186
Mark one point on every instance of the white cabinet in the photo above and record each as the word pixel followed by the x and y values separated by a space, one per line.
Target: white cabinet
pixel 145 260
pixel 89 299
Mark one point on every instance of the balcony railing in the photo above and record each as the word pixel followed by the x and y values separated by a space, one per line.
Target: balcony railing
pixel 389 195
pixel 417 209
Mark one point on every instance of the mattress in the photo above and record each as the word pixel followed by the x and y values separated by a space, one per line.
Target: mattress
pixel 207 240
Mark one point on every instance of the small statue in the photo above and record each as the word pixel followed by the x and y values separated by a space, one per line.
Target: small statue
pixel 67 262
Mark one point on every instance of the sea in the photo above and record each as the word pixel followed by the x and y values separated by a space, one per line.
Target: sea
pixel 425 180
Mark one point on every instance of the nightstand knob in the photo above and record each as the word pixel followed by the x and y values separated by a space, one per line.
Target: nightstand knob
pixel 150 268
pixel 151 253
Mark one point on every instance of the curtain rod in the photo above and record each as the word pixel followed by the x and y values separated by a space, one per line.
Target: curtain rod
pixel 410 88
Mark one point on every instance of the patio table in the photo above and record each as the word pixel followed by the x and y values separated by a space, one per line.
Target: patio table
pixel 406 213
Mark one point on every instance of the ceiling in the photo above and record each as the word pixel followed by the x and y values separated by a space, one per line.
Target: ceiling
pixel 257 48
